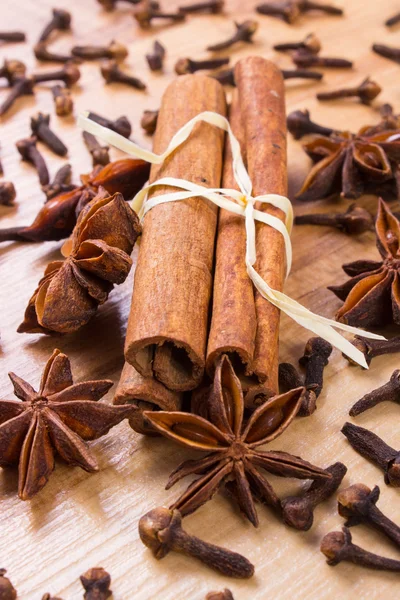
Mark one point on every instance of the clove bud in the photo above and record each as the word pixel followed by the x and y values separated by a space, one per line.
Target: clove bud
pixel 224 595
pixel 69 74
pixel 149 121
pixel 145 12
pixel 311 43
pixel 60 21
pixel 113 74
pixel 290 10
pixel 7 590
pixel 13 70
pixel 367 91
pixel 21 87
pixel 185 65
pixel 244 33
pixel 121 125
pixel 63 102
pixel 7 193
pixel 12 36
pixel 387 52
pixel 306 59
pixel 43 54
pixel 301 74
pixel 155 59
pixel 60 184
pixel 299 124
pixel 114 51
pixel 393 20
pixel 29 152
pixel 40 126
pixel 354 220
pixel 373 348
pixel 100 155
pixel 96 583
pixel 211 6
pixel 389 392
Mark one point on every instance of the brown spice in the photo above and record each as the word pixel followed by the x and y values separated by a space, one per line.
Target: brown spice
pixel 311 43
pixel 114 50
pixel 387 52
pixel 60 21
pixel 149 121
pixel 212 6
pixel 7 193
pixel 305 59
pixel 13 70
pixel 224 595
pixel 244 33
pixel 290 10
pixel 7 590
pixel 21 86
pixel 42 53
pixel 155 59
pixel 120 125
pixel 40 125
pixel 146 11
pixel 389 392
pixel 373 348
pixel 29 152
pixel 96 583
pixel 299 124
pixel 100 155
pixel 113 74
pixel 63 102
pixel 186 65
pixel 60 184
pixel 367 91
pixel 12 36
pixel 354 220
pixel 69 74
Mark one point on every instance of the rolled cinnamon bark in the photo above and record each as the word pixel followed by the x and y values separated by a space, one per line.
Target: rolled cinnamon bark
pixel 167 328
pixel 258 119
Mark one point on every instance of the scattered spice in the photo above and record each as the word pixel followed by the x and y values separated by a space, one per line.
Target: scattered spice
pixel 311 43
pixel 63 102
pixel 244 33
pixel 29 152
pixel 187 65
pixel 7 590
pixel 109 5
pixel 161 531
pixel 224 595
pixel 60 21
pixel 43 54
pixel 100 155
pixel 301 74
pixel 306 59
pixel 290 10
pixel 20 87
pixel 155 59
pixel 57 419
pixel 298 511
pixel 299 124
pixel 233 444
pixel 145 12
pixel 373 448
pixel 393 20
pixel 40 125
pixel 60 184
pixel 367 91
pixel 12 36
pixel 7 193
pixel 69 74
pixel 225 77
pixel 148 121
pixel 12 70
pixel 96 583
pixel 121 125
pixel 373 348
pixel 212 6
pixel 113 74
pixel 357 504
pixel 389 392
pixel 387 52
pixel 114 51
pixel 338 546
pixel 49 597
pixel 372 295
pixel 354 220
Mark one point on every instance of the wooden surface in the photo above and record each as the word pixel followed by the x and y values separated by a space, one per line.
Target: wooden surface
pixel 81 520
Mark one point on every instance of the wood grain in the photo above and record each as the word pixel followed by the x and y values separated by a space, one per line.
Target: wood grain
pixel 79 520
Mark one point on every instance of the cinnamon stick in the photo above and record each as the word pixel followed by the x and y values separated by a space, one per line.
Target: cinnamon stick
pixel 258 119
pixel 167 328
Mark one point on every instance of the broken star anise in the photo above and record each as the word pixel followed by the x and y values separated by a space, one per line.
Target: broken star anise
pixel 372 295
pixel 350 164
pixel 97 257
pixel 234 445
pixel 56 420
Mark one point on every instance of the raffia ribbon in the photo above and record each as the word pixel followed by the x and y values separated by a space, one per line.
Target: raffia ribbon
pixel 242 204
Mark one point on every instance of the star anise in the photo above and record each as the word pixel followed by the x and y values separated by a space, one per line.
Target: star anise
pixel 372 295
pixel 97 257
pixel 58 419
pixel 234 445
pixel 351 164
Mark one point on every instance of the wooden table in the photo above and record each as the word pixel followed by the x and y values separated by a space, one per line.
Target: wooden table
pixel 81 520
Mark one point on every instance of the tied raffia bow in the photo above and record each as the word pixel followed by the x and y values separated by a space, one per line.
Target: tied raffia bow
pixel 242 204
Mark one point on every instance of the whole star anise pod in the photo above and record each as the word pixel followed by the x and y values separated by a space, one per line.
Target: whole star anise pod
pixel 234 445
pixel 58 419
pixel 372 295
pixel 97 257
pixel 349 164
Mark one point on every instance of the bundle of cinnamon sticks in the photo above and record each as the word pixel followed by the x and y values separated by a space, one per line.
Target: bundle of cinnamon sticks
pixel 192 299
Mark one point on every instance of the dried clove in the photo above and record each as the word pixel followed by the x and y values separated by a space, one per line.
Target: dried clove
pixel 109 5
pixel 7 193
pixel 49 597
pixel 114 51
pixel 61 21
pixel 224 595
pixel 290 379
pixel 69 74
pixel 149 121
pixel 112 73
pixel 307 59
pixel 29 152
pixel 367 91
pixel 225 77
pixel 7 590
pixel 155 59
pixel 298 511
pixel 301 74
pixel 290 10
pixel 100 155
pixel 244 33
pixel 393 20
pixel 60 184
pixel 161 531
pixel 43 54
pixel 299 124
pixel 13 70
pixel 357 504
pixel 96 583
pixel 338 546
pixel 145 12
pixel 21 87
pixel 40 125
pixel 311 43
pixel 186 65
pixel 12 36
pixel 121 125
pixel 315 358
pixel 387 52
pixel 63 102
pixel 389 392
pixel 211 6
pixel 373 348
pixel 373 448
pixel 354 220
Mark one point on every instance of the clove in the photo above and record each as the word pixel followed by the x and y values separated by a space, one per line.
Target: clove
pixel 40 125
pixel 387 52
pixel 306 59
pixel 7 590
pixel 290 10
pixel 114 51
pixel 161 531
pixel 7 193
pixel 21 87
pixel 225 77
pixel 12 36
pixel 63 102
pixel 149 121
pixel 311 43
pixel 301 74
pixel 373 348
pixel 357 504
pixel 121 125
pixel 290 379
pixel 109 5
pixel 211 6
pixel 393 20
pixel 315 358
pixel 367 91
pixel 96 583
pixel 299 124
pixel 373 448
pixel 60 184
pixel 389 392
pixel 42 53
pixel 298 511
pixel 29 152
pixel 224 595
pixel 13 70
pixel 244 33
pixel 145 12
pixel 155 59
pixel 112 73
pixel 354 220
pixel 49 597
pixel 100 155
pixel 69 74
pixel 185 65
pixel 338 546
pixel 61 21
